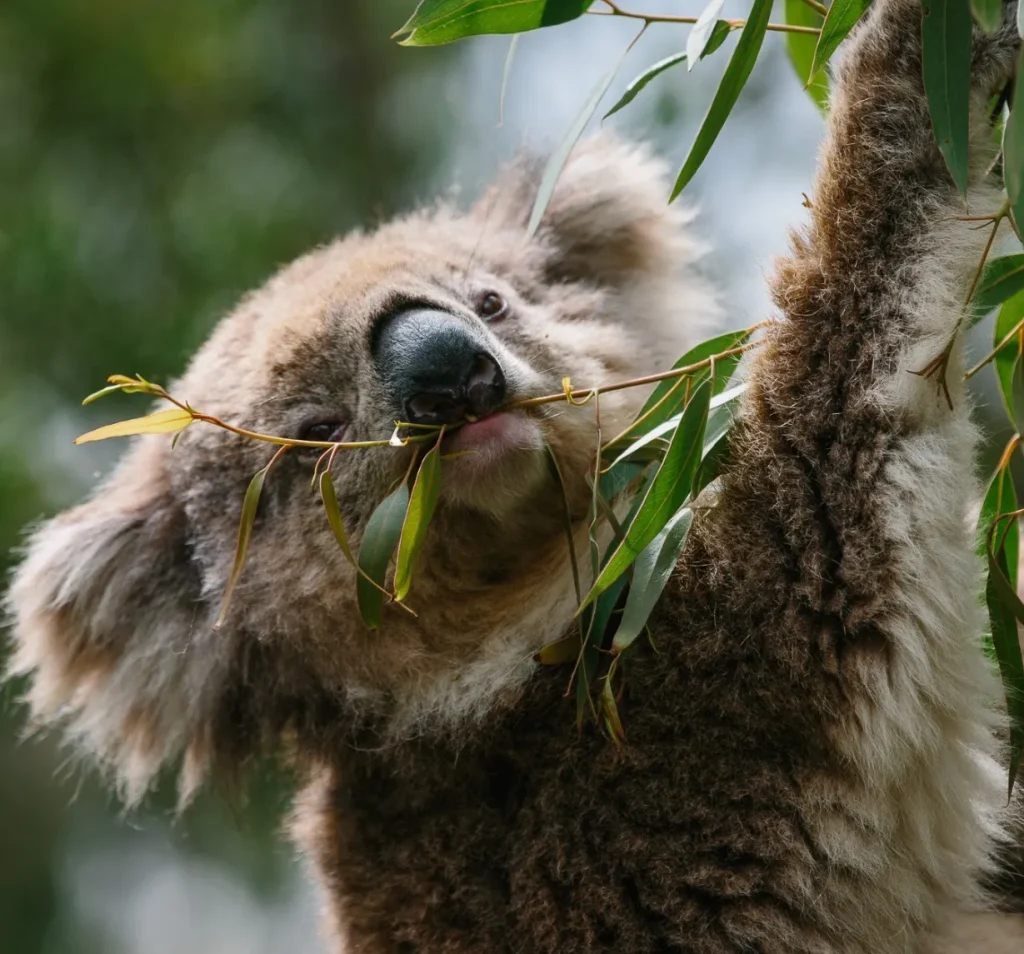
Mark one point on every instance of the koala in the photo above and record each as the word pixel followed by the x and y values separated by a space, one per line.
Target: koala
pixel 812 759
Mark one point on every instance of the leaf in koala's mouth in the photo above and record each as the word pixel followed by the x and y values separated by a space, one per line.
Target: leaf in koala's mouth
pixel 422 503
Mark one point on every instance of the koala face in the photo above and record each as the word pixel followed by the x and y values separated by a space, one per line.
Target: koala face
pixel 436 318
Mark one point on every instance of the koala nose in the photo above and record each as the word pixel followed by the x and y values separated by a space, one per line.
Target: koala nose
pixel 436 370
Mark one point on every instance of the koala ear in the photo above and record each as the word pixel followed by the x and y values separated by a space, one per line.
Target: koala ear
pixel 608 221
pixel 111 632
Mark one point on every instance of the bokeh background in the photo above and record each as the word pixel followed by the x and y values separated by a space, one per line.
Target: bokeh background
pixel 157 159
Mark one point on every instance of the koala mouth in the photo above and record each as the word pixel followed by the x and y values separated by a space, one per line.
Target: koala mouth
pixel 482 442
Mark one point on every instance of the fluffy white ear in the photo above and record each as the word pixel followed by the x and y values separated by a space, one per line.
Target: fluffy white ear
pixel 110 630
pixel 608 221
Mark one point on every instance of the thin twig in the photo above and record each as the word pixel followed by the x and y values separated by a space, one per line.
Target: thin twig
pixel 616 11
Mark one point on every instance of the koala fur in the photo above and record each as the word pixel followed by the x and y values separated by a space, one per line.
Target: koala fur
pixel 812 760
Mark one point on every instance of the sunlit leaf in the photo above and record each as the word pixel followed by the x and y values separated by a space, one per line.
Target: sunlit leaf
pixel 702 30
pixel 988 14
pixel 610 711
pixel 801 47
pixel 946 52
pixel 380 538
pixel 1001 278
pixel 636 87
pixel 842 16
pixel 162 422
pixel 422 503
pixel 1007 361
pixel 669 489
pixel 651 571
pixel 561 155
pixel 250 504
pixel 733 81
pixel 443 21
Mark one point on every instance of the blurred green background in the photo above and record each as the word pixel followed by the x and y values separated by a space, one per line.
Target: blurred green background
pixel 158 159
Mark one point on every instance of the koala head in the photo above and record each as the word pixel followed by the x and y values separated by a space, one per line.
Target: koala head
pixel 430 318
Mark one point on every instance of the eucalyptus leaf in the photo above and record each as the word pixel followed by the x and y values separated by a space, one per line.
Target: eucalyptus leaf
pixel 668 490
pixel 637 86
pixel 444 21
pixel 250 504
pixel 801 47
pixel 380 538
pixel 1000 279
pixel 333 511
pixel 1007 360
pixel 701 33
pixel 422 504
pixel 946 52
pixel 561 155
pixel 988 14
pixel 162 422
pixel 1013 151
pixel 842 16
pixel 1006 613
pixel 733 81
pixel 651 571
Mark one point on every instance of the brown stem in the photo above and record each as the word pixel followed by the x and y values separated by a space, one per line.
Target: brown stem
pixel 616 11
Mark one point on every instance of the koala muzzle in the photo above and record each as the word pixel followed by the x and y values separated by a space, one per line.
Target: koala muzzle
pixel 436 370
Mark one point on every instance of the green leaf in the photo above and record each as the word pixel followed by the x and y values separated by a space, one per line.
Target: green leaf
pixel 636 87
pixel 561 155
pixel 250 504
pixel 946 51
pixel 733 81
pixel 842 16
pixel 1001 279
pixel 380 538
pixel 719 34
pixel 330 500
pixel 702 31
pixel 801 47
pixel 1007 361
pixel 162 422
pixel 988 14
pixel 443 21
pixel 422 504
pixel 724 370
pixel 1000 497
pixel 651 571
pixel 668 491
pixel 1013 151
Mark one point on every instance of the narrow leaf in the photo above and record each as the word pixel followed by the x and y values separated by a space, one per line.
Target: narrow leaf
pixel 668 491
pixel 719 34
pixel 724 370
pixel 1006 612
pixel 801 47
pixel 422 503
pixel 1001 279
pixel 988 14
pixel 250 504
pixel 842 16
pixel 651 571
pixel 946 51
pixel 701 33
pixel 443 21
pixel 561 651
pixel 380 538
pixel 330 500
pixel 505 74
pixel 561 155
pixel 733 81
pixel 162 422
pixel 636 87
pixel 1013 151
pixel 1007 361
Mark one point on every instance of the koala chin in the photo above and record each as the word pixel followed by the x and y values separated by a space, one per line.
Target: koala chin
pixel 813 759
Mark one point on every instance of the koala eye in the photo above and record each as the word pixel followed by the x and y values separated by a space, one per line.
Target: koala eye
pixel 491 306
pixel 329 430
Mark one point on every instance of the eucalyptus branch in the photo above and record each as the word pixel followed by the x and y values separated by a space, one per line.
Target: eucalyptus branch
pixel 817 7
pixel 648 18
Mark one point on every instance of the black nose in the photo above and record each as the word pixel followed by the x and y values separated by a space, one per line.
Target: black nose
pixel 436 370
